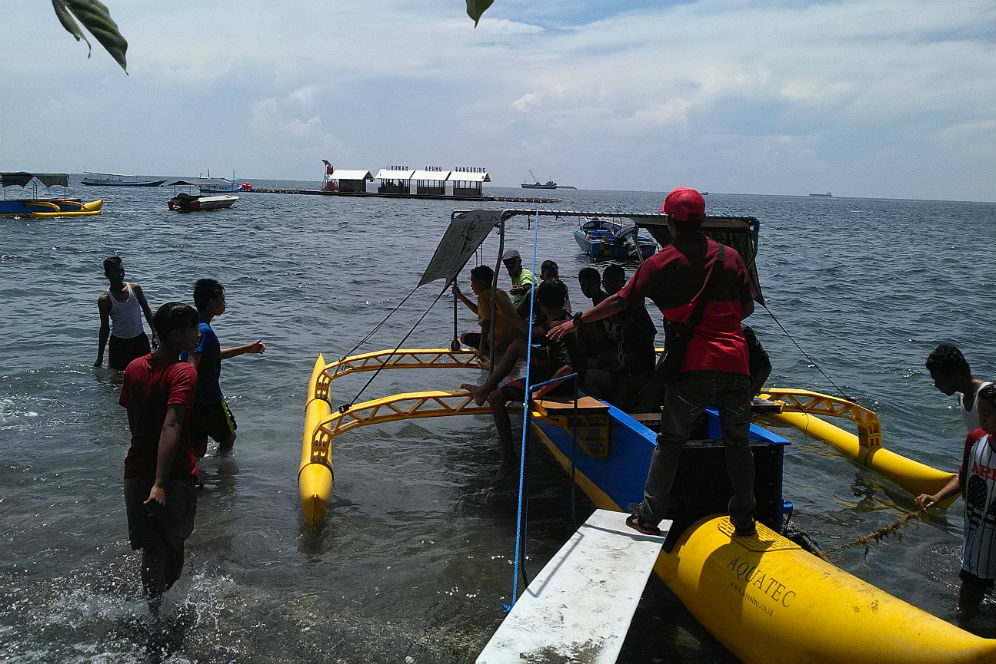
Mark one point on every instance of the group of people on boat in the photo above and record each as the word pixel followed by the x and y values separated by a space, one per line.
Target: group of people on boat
pixel 174 403
pixel 703 291
pixel 712 359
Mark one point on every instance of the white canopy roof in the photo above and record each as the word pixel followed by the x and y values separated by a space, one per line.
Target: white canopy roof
pixel 463 176
pixel 343 174
pixel 391 174
pixel 440 176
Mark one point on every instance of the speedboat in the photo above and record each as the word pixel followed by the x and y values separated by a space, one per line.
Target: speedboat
pixel 189 203
pixel 601 237
pixel 763 596
pixel 44 206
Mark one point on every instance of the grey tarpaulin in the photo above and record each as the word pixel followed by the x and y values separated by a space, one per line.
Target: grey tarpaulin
pixel 20 179
pixel 465 234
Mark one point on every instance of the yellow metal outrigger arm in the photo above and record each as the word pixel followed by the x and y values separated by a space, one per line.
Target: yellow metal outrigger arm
pixel 316 472
pixel 799 409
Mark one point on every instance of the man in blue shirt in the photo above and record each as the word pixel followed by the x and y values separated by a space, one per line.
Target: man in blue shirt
pixel 211 415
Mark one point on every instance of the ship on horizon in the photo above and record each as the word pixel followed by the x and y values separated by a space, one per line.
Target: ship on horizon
pixel 826 195
pixel 536 184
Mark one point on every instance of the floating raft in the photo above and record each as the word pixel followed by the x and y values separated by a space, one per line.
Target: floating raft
pixel 374 194
pixel 579 607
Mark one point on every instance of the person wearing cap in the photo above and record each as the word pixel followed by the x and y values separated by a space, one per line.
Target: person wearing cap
pixel 522 279
pixel 715 370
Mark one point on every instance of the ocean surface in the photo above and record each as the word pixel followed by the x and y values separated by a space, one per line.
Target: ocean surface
pixel 413 563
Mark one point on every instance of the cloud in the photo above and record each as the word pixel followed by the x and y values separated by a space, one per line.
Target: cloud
pixel 590 82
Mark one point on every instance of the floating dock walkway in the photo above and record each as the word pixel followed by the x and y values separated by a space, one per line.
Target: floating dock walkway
pixel 579 607
pixel 374 194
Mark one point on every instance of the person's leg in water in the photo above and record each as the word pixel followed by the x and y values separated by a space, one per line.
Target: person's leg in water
pixel 733 404
pixel 504 367
pixel 970 595
pixel 684 402
pixel 503 423
pixel 154 570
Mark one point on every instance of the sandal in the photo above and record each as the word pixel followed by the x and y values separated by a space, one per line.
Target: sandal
pixel 633 521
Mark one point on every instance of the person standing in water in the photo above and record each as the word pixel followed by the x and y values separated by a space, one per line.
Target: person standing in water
pixel 951 375
pixel 211 415
pixel 976 482
pixel 160 469
pixel 122 304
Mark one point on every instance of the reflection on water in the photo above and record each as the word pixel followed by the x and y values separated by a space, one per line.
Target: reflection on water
pixel 414 561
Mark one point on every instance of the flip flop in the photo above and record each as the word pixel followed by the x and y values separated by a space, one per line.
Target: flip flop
pixel 633 521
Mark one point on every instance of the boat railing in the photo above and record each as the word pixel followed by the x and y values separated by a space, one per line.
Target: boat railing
pixel 403 358
pixel 814 403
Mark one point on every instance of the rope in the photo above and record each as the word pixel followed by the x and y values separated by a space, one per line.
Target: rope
pixel 520 543
pixel 346 406
pixel 806 355
pixel 879 534
pixel 378 326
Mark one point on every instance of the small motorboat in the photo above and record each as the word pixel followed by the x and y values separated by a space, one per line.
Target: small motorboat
pixel 185 202
pixel 608 238
pixel 43 207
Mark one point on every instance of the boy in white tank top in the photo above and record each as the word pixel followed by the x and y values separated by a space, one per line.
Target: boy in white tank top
pixel 976 481
pixel 122 304
pixel 951 375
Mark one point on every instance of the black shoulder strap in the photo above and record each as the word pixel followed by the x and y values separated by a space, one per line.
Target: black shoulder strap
pixel 703 298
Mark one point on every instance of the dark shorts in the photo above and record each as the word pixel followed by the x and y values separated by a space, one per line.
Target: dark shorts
pixel 172 525
pixel 970 579
pixel 213 419
pixel 122 351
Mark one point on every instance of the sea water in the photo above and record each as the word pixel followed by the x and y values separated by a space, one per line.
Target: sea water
pixel 414 561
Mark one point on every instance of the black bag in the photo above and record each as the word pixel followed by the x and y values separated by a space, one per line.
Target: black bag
pixel 679 334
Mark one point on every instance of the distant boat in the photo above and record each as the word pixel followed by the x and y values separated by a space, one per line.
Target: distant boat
pixel 826 195
pixel 184 202
pixel 536 184
pixel 115 180
pixel 609 238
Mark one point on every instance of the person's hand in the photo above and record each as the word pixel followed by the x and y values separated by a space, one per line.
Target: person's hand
pixel 456 290
pixel 256 347
pixel 560 331
pixel 517 289
pixel 156 500
pixel 926 500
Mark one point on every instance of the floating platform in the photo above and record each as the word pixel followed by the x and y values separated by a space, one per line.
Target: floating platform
pixel 375 194
pixel 579 607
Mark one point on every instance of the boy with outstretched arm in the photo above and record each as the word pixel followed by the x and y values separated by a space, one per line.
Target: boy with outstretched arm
pixel 211 415
pixel 160 469
pixel 122 304
pixel 976 481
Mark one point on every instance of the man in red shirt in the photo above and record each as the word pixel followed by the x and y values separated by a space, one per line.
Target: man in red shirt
pixel 160 469
pixel 714 371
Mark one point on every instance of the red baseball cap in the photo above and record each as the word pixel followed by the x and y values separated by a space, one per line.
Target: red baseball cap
pixel 684 204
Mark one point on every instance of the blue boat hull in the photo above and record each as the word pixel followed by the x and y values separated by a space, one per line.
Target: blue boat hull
pixel 615 481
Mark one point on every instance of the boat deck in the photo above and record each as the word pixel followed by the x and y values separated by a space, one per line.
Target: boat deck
pixel 579 607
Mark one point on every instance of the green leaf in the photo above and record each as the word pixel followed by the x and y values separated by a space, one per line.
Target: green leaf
pixel 97 20
pixel 477 7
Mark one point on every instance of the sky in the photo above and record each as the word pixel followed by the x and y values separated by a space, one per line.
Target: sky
pixel 892 99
